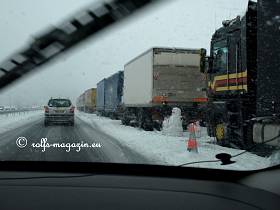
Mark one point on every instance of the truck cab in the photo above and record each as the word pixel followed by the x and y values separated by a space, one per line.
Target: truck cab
pixel 231 77
pixel 226 73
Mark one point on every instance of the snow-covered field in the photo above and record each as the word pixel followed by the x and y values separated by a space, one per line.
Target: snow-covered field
pixel 15 120
pixel 169 150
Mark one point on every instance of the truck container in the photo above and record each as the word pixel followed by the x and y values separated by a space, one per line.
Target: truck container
pixel 113 95
pixel 90 100
pixel 80 103
pixel 100 97
pixel 160 79
pixel 164 75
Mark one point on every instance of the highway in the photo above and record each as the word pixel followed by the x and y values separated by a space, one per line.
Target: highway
pixel 110 151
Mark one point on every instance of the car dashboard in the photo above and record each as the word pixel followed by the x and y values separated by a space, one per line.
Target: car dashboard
pixel 148 190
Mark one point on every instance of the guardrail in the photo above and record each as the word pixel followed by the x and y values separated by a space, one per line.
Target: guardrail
pixel 18 111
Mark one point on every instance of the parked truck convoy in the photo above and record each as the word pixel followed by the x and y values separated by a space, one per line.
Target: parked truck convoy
pixel 240 103
pixel 87 101
pixel 151 85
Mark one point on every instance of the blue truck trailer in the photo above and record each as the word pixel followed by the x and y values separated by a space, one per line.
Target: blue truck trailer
pixel 100 97
pixel 109 96
pixel 113 95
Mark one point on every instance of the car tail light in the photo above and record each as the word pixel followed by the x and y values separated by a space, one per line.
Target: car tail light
pixel 72 109
pixel 46 109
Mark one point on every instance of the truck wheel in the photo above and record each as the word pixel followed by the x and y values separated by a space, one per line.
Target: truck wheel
pixel 124 119
pixel 147 126
pixel 124 122
pixel 157 126
pixel 220 132
pixel 144 121
pixel 46 123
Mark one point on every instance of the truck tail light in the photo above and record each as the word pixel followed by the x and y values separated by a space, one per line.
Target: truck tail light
pixel 200 100
pixel 159 99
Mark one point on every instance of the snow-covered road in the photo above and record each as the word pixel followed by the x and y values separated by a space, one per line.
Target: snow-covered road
pixel 120 143
pixel 17 119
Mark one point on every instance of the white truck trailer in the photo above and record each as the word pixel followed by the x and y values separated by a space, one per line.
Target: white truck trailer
pixel 160 79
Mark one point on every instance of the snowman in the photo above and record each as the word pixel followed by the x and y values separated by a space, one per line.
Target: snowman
pixel 172 126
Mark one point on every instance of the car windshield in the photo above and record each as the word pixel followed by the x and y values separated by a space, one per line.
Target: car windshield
pixel 177 83
pixel 59 103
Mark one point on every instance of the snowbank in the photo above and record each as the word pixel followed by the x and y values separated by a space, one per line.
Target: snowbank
pixel 15 120
pixel 170 150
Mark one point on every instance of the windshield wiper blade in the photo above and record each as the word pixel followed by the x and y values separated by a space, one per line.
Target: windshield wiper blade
pixel 60 39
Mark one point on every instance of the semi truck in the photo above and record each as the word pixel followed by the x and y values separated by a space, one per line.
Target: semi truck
pixel 109 96
pixel 90 100
pixel 100 97
pixel 80 102
pixel 243 78
pixel 86 102
pixel 160 79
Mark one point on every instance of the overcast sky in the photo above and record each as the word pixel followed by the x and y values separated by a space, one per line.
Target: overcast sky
pixel 176 23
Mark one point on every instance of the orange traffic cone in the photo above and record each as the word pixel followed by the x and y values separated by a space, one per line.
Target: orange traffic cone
pixel 192 143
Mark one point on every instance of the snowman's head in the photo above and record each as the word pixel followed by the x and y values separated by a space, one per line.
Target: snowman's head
pixel 176 111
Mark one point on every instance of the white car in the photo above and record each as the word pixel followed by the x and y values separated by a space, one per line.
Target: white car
pixel 59 111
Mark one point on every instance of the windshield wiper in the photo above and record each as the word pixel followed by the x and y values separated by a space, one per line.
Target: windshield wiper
pixel 62 38
pixel 225 158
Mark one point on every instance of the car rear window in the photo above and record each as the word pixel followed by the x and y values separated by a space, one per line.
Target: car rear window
pixel 59 103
